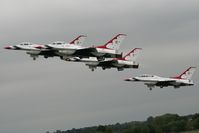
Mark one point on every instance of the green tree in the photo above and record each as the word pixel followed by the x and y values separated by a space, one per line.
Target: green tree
pixel 137 129
pixel 127 130
pixel 196 123
pixel 109 130
pixel 101 128
pixel 150 119
pixel 153 128
pixel 145 129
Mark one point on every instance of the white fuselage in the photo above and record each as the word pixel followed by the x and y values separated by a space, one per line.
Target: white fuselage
pixel 29 47
pixel 107 63
pixel 34 50
pixel 88 61
pixel 120 63
pixel 65 49
pixel 103 51
pixel 150 78
pixel 162 81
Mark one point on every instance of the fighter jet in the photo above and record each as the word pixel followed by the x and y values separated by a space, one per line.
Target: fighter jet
pixel 31 49
pixel 62 49
pixel 151 81
pixel 108 50
pixel 128 61
pixel 34 50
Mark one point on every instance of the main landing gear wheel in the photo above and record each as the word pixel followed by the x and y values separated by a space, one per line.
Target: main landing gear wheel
pixel 100 58
pixel 45 57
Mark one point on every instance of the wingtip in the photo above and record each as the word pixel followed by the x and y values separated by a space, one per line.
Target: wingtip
pixel 136 49
pixel 139 48
pixel 122 34
pixel 82 35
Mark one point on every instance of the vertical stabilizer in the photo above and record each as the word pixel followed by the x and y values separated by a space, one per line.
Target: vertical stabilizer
pixel 187 74
pixel 79 40
pixel 115 42
pixel 133 54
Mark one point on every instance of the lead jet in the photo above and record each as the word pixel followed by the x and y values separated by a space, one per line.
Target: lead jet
pixel 128 61
pixel 151 81
pixel 62 49
pixel 108 50
pixel 31 49
pixel 34 50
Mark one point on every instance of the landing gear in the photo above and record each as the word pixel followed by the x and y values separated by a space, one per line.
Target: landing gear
pixel 100 58
pixel 92 68
pixel 61 57
pixel 120 69
pixel 103 68
pixel 150 87
pixel 176 87
pixel 67 59
pixel 34 57
pixel 45 56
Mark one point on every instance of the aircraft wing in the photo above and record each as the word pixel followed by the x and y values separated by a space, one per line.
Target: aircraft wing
pixel 115 64
pixel 86 52
pixel 106 63
pixel 48 53
pixel 165 82
pixel 159 81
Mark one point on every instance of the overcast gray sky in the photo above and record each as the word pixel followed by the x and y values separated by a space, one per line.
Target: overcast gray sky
pixel 46 95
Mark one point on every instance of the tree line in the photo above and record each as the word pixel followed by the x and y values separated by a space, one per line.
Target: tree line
pixel 168 123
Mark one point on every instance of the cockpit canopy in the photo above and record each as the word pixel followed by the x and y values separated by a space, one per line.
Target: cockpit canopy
pixel 147 75
pixel 58 43
pixel 25 43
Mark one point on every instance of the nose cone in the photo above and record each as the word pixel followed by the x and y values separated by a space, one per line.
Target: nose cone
pixel 49 46
pixel 8 47
pixel 128 79
pixel 131 79
pixel 39 47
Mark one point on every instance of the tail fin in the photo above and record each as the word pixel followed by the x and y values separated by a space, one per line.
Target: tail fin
pixel 187 74
pixel 79 40
pixel 115 42
pixel 132 55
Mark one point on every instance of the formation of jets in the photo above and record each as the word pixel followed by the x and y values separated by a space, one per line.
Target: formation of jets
pixel 105 56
